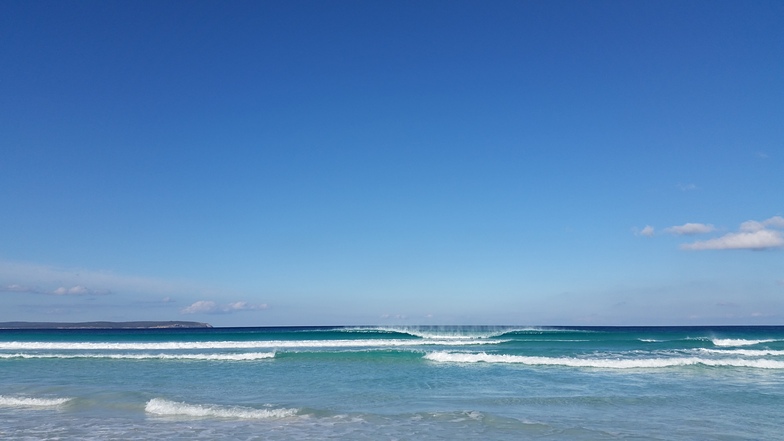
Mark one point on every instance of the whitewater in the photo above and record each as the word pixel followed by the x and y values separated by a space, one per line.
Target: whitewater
pixel 371 383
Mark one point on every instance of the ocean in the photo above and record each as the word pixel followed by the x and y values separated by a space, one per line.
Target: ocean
pixel 399 383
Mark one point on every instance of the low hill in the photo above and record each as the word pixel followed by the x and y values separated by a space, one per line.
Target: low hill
pixel 103 325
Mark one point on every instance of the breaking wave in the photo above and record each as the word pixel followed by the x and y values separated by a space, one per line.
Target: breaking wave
pixel 607 363
pixel 8 401
pixel 448 333
pixel 737 342
pixel 744 352
pixel 462 333
pixel 163 407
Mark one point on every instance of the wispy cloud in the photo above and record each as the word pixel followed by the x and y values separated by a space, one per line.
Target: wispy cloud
pixel 44 279
pixel 690 229
pixel 687 187
pixel 211 307
pixel 76 290
pixel 752 235
pixel 20 289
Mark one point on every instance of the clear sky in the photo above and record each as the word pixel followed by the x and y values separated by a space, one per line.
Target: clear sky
pixel 257 163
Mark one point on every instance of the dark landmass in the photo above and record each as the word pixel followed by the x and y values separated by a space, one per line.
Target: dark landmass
pixel 103 325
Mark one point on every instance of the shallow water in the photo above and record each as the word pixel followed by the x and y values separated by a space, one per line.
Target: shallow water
pixel 500 383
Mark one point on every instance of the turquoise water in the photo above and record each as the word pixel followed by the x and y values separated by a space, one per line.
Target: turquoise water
pixel 368 383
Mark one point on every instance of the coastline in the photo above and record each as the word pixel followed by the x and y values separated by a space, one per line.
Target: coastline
pixel 105 325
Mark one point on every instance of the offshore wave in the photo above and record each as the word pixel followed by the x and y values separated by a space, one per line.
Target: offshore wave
pixel 719 342
pixel 744 352
pixel 450 332
pixel 202 357
pixel 607 363
pixel 163 407
pixel 738 342
pixel 11 401
pixel 262 344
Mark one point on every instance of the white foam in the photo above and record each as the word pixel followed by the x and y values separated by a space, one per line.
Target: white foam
pixel 607 363
pixel 208 357
pixel 7 401
pixel 261 344
pixel 163 407
pixel 737 342
pixel 744 352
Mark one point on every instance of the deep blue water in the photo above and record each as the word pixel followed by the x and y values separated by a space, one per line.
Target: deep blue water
pixel 418 383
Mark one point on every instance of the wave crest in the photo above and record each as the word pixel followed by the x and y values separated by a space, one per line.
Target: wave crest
pixel 8 401
pixel 738 342
pixel 163 407
pixel 606 363
pixel 463 333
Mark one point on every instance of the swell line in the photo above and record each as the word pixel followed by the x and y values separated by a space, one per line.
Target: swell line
pixel 200 357
pixel 260 344
pixel 607 363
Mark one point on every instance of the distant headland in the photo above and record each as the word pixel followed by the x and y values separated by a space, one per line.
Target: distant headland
pixel 103 325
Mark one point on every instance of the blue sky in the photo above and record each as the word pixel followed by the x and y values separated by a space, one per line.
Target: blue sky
pixel 407 162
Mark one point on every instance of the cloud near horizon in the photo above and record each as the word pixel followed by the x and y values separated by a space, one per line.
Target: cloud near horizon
pixel 210 307
pixel 79 290
pixel 76 290
pixel 23 277
pixel 752 235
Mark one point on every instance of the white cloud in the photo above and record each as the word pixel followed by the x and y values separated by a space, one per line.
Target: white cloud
pixel 690 228
pixel 210 307
pixel 647 231
pixel 77 290
pixel 752 226
pixel 202 306
pixel 752 235
pixel 245 306
pixel 757 240
pixel 775 222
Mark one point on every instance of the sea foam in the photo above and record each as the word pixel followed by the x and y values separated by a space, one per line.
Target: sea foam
pixel 744 352
pixel 163 407
pixel 737 342
pixel 9 401
pixel 606 363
